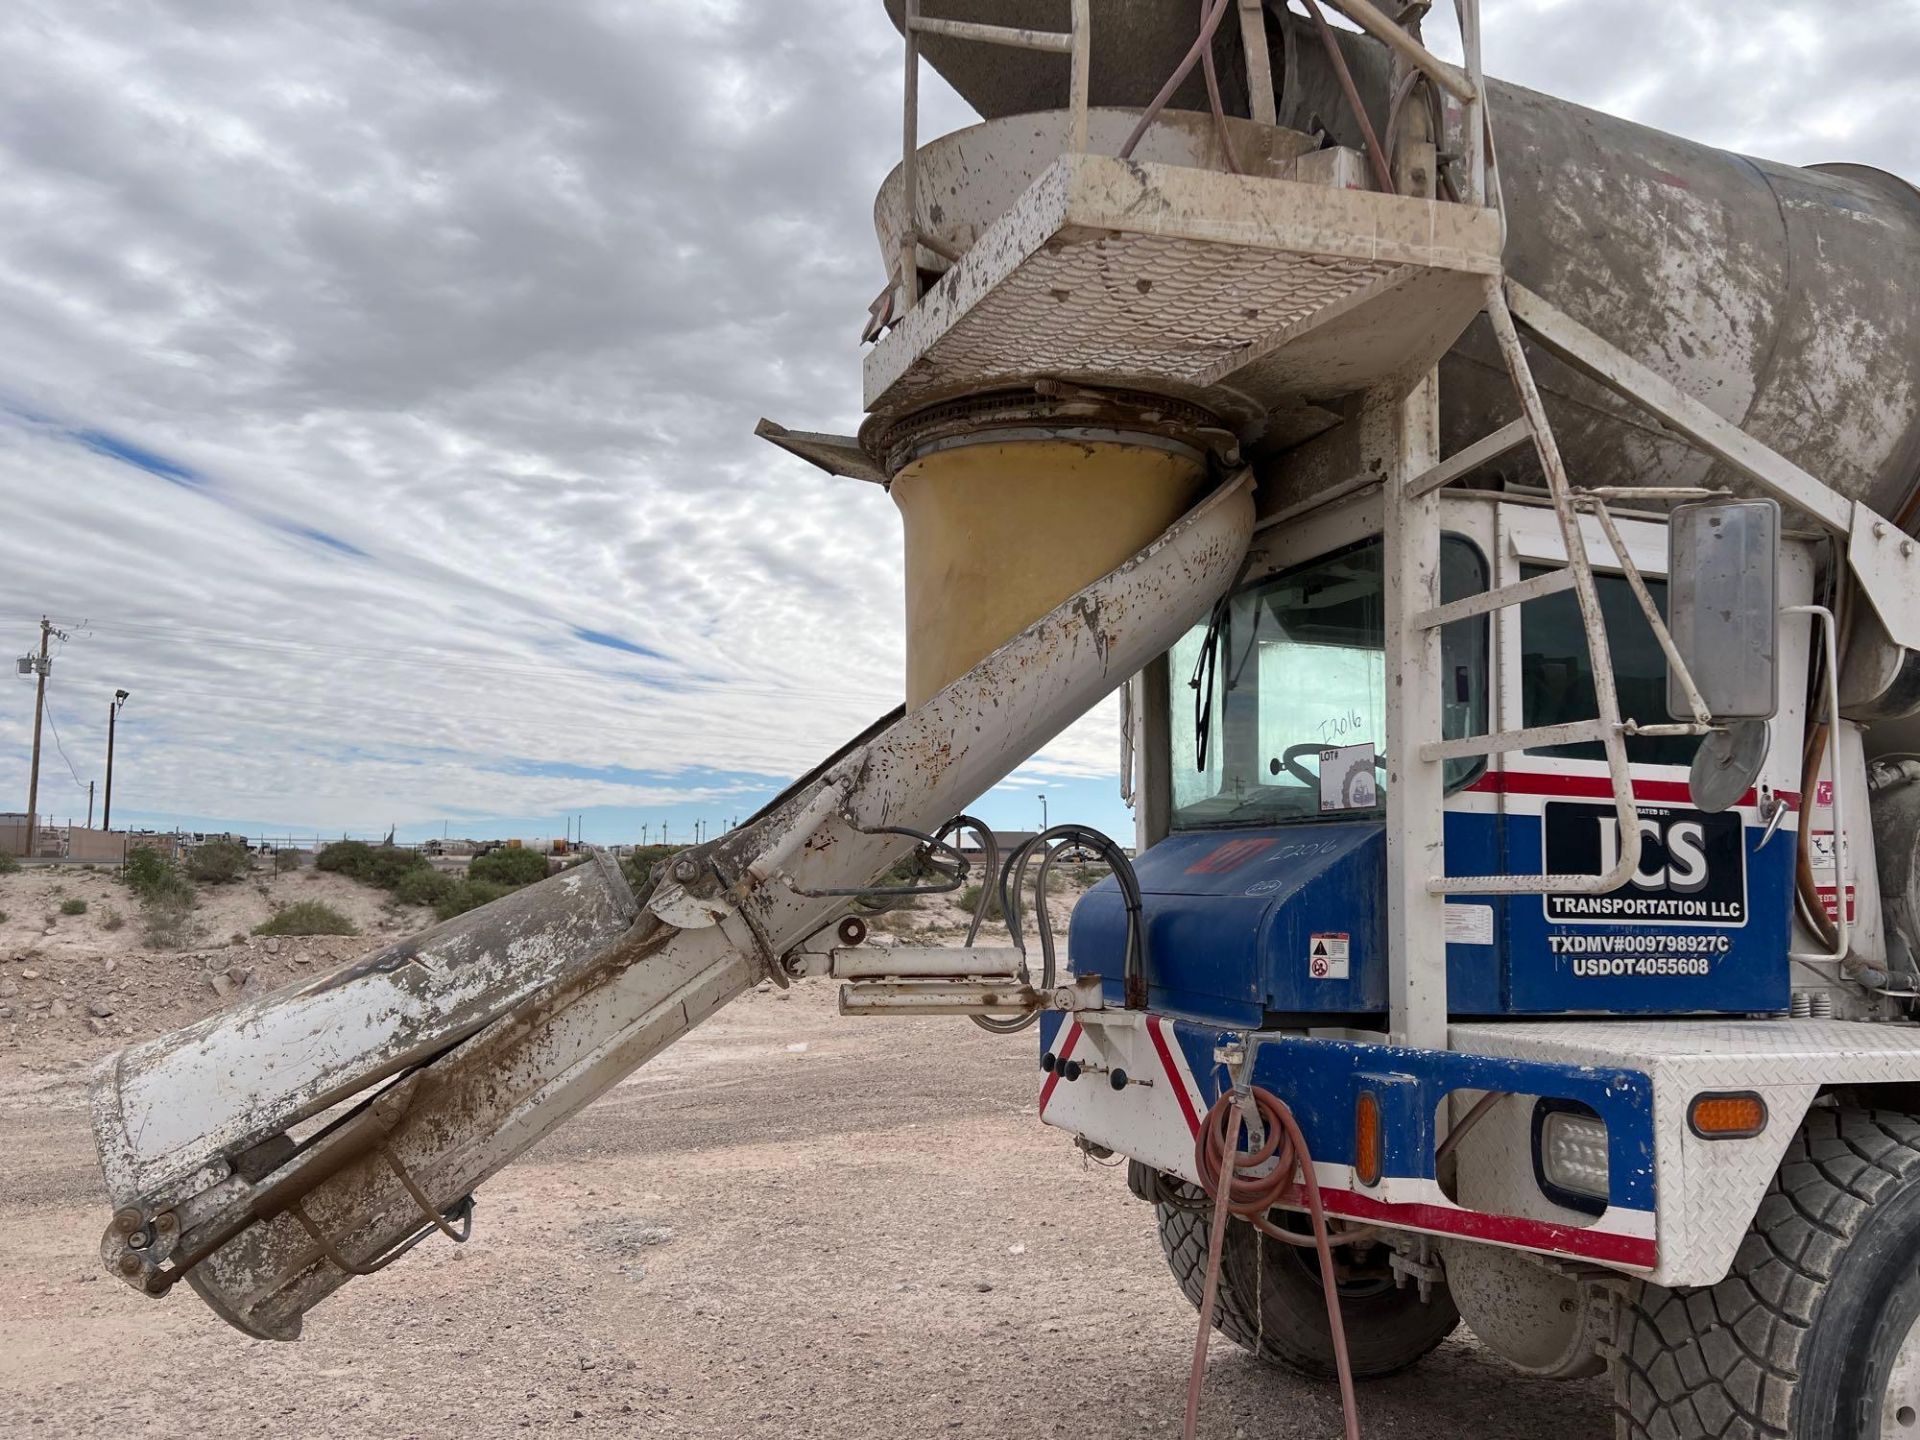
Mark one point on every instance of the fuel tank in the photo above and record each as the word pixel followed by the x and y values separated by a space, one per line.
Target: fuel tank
pixel 1781 297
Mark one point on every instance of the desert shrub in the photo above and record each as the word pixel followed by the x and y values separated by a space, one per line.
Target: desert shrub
pixel 468 895
pixel 382 866
pixel 424 886
pixel 387 865
pixel 307 917
pixel 112 919
pixel 969 901
pixel 167 921
pixel 639 865
pixel 346 857
pixel 219 862
pixel 7 863
pixel 155 878
pixel 73 907
pixel 285 860
pixel 511 868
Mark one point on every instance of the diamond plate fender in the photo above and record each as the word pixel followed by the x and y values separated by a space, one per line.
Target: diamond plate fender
pixel 1709 1190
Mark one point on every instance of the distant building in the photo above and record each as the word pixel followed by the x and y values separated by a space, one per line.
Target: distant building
pixel 1007 840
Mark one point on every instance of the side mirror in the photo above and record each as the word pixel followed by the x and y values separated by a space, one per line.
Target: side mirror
pixel 1723 606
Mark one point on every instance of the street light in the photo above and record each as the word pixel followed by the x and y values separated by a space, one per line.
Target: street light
pixel 113 713
pixel 1043 812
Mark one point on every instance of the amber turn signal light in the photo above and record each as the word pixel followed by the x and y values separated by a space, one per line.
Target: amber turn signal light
pixel 1368 1152
pixel 1727 1117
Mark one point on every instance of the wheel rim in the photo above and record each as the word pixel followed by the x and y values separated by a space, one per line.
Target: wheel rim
pixel 1357 1289
pixel 1900 1403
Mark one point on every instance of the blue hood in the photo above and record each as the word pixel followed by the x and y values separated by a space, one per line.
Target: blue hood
pixel 1234 917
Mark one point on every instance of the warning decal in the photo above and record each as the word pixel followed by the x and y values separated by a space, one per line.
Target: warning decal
pixel 1327 956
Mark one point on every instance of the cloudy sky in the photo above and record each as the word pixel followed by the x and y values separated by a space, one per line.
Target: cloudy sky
pixel 378 381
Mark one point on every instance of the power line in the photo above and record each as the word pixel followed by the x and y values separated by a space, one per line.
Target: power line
pixel 55 726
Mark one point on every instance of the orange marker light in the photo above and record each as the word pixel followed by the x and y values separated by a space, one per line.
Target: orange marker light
pixel 1727 1117
pixel 1368 1152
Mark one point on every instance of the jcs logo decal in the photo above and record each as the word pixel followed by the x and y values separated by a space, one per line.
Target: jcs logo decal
pixel 1693 867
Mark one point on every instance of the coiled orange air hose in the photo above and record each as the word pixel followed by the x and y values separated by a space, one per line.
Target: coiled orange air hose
pixel 1216 1152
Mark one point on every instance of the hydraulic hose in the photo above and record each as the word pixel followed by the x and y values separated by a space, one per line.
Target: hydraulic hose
pixel 1013 884
pixel 1224 1174
pixel 1213 96
pixel 1813 756
pixel 1375 155
pixel 1174 81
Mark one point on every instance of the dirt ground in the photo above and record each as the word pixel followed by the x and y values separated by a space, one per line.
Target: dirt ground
pixel 791 1224
pixel 68 983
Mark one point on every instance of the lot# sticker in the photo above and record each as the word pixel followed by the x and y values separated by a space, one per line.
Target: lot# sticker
pixel 1346 778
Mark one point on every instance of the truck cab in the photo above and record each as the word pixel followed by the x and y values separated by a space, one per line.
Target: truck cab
pixel 1253 851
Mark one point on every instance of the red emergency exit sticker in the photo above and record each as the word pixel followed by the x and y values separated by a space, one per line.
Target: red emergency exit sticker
pixel 1327 956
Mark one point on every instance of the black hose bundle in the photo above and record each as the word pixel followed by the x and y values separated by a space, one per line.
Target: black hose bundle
pixel 1013 881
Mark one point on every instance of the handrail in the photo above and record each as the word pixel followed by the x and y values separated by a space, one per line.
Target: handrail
pixel 1012 36
pixel 1606 726
pixel 1395 37
pixel 1075 43
pixel 1696 704
pixel 1842 930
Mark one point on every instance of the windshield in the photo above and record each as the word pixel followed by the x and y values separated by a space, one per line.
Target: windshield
pixel 1286 717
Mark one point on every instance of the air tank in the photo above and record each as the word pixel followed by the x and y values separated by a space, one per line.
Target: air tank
pixel 1781 297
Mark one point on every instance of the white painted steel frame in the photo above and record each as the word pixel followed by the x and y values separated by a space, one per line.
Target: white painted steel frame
pixel 1401 441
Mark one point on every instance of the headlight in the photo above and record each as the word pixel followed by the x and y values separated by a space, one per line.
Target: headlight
pixel 1570 1155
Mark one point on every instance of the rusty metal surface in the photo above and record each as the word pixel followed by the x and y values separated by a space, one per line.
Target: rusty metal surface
pixel 1779 297
pixel 164 1108
pixel 1189 283
pixel 972 176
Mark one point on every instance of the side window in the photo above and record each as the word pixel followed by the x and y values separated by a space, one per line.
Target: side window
pixel 1556 673
pixel 1298 664
pixel 1464 669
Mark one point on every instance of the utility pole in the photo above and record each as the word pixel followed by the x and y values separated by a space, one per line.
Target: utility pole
pixel 89 804
pixel 39 667
pixel 113 714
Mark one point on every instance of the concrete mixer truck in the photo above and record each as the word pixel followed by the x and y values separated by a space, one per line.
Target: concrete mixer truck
pixel 1496 518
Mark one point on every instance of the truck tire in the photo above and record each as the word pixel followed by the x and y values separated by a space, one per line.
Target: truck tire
pixel 1815 1333
pixel 1272 1306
